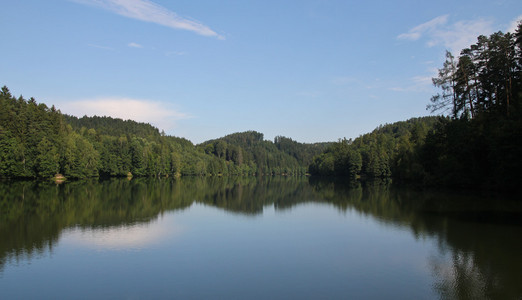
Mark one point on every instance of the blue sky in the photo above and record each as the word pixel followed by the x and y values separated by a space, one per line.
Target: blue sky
pixel 312 70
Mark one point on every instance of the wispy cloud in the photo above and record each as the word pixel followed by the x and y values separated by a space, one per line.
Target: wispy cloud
pixel 514 24
pixel 421 83
pixel 454 36
pixel 100 47
pixel 462 34
pixel 417 84
pixel 416 32
pixel 148 11
pixel 345 80
pixel 134 45
pixel 175 53
pixel 156 113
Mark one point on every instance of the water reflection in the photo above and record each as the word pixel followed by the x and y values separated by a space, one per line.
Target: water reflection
pixel 124 237
pixel 478 238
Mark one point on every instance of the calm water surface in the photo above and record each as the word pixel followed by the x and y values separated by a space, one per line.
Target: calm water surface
pixel 246 238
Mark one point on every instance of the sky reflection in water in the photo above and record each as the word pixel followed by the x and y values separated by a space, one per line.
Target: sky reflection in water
pixel 253 238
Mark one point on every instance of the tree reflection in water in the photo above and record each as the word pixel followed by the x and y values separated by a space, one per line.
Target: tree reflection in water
pixel 478 237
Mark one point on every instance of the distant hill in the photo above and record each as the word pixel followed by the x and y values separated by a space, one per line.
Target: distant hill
pixel 113 126
pixel 376 154
pixel 38 142
pixel 283 156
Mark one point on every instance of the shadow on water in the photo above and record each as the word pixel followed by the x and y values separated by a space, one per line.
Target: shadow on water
pixel 479 235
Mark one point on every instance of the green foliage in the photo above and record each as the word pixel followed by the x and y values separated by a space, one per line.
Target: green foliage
pixel 10 162
pixel 36 141
pixel 248 153
pixel 485 78
pixel 481 145
pixel 47 158
pixel 378 154
pixel 483 152
pixel 114 127
pixel 30 136
pixel 80 159
pixel 304 153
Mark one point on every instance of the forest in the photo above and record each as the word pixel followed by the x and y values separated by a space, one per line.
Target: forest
pixel 476 141
pixel 39 142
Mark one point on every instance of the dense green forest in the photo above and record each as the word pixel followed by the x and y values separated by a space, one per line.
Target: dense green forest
pixel 252 154
pixel 378 154
pixel 478 145
pixel 38 142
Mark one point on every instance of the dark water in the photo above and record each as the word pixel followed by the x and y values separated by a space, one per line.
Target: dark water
pixel 263 238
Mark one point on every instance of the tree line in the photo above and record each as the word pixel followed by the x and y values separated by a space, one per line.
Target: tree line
pixel 377 154
pixel 38 142
pixel 483 79
pixel 249 152
pixel 477 144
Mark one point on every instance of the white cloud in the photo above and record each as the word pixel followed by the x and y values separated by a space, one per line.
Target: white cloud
pixel 134 45
pixel 156 113
pixel 514 24
pixel 147 11
pixel 416 32
pixel 455 36
pixel 461 34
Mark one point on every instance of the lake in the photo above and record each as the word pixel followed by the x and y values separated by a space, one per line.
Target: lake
pixel 255 238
